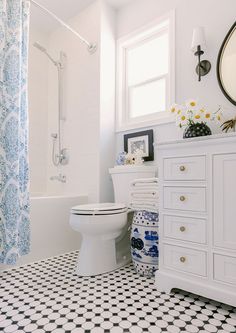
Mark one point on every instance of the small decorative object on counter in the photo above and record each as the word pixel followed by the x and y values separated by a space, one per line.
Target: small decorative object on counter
pixel 229 125
pixel 138 157
pixel 196 129
pixel 194 118
pixel 130 159
pixel 144 242
pixel 121 158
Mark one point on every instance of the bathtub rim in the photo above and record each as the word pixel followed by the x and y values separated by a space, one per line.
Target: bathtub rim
pixel 41 196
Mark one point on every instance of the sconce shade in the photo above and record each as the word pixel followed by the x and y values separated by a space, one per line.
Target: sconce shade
pixel 198 39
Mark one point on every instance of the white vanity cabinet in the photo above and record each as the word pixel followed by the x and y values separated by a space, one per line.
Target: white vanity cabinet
pixel 198 217
pixel 224 200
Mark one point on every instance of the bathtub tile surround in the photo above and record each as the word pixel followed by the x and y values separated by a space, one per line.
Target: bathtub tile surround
pixel 48 296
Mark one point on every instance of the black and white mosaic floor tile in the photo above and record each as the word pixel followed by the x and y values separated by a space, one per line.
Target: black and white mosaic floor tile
pixel 48 296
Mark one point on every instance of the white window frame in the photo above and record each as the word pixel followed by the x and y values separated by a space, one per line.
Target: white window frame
pixel 148 32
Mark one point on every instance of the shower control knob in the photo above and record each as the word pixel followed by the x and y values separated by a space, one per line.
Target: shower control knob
pixel 182 229
pixel 64 157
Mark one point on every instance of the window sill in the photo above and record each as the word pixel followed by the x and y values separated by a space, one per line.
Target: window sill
pixel 144 124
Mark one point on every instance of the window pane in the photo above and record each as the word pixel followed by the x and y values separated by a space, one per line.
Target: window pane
pixel 147 99
pixel 148 60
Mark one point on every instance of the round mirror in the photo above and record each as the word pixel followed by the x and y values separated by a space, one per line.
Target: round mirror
pixel 226 66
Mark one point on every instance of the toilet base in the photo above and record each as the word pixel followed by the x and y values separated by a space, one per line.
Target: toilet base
pixel 105 243
pixel 93 267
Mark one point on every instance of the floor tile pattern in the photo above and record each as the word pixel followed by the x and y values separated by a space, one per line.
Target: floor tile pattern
pixel 48 296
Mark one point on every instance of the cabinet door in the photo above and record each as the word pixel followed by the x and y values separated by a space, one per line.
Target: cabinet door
pixel 224 200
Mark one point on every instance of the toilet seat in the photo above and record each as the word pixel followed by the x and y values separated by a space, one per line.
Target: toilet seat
pixel 99 209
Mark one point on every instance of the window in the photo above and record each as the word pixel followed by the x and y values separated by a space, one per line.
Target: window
pixel 145 67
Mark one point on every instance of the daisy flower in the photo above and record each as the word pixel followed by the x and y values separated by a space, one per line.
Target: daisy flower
pixel 182 119
pixel 197 116
pixel 174 108
pixel 208 116
pixel 180 110
pixel 191 104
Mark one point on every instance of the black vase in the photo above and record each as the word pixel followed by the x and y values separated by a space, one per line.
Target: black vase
pixel 196 129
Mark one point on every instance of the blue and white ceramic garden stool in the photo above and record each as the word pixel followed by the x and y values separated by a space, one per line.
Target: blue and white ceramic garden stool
pixel 144 242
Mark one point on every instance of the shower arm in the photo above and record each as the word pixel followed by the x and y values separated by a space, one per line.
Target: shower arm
pixel 91 47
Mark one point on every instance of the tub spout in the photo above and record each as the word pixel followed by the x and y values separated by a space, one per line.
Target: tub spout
pixel 60 178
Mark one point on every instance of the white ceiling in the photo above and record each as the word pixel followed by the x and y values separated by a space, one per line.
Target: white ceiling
pixel 64 9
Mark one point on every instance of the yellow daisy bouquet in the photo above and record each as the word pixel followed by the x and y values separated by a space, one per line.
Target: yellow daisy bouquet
pixel 194 117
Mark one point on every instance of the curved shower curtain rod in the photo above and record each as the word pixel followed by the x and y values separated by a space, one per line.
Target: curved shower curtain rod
pixel 91 47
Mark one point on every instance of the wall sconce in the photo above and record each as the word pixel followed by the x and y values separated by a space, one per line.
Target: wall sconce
pixel 199 42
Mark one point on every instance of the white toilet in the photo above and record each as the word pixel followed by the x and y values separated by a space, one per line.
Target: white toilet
pixel 104 226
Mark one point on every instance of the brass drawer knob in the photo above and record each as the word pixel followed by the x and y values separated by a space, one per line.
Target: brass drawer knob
pixel 182 168
pixel 182 259
pixel 182 198
pixel 182 229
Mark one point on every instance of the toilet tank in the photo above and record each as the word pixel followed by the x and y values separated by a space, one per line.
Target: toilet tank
pixel 123 175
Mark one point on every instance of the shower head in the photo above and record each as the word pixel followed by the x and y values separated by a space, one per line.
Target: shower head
pixel 43 49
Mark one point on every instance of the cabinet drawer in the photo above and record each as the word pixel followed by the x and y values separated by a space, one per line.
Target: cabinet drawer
pixel 185 198
pixel 185 259
pixel 185 168
pixel 185 228
pixel 225 269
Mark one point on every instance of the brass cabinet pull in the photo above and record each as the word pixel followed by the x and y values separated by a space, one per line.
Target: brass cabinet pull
pixel 182 229
pixel 182 259
pixel 182 168
pixel 182 198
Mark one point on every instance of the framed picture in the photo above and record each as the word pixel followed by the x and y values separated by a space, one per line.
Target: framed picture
pixel 143 141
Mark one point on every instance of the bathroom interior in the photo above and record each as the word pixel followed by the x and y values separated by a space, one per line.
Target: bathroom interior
pixel 100 74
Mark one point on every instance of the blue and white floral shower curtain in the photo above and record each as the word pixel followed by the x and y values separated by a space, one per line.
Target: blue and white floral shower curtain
pixel 14 173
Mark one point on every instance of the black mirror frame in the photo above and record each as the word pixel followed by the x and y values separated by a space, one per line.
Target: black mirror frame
pixel 219 61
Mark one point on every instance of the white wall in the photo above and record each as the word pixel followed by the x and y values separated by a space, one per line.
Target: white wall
pixel 107 100
pixel 217 18
pixel 38 109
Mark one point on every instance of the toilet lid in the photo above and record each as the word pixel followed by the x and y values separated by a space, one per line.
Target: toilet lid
pixel 99 209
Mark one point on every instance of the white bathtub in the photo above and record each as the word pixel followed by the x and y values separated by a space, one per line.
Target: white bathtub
pixel 50 231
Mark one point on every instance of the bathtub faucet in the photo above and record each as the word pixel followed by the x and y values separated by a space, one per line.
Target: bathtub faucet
pixel 61 178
